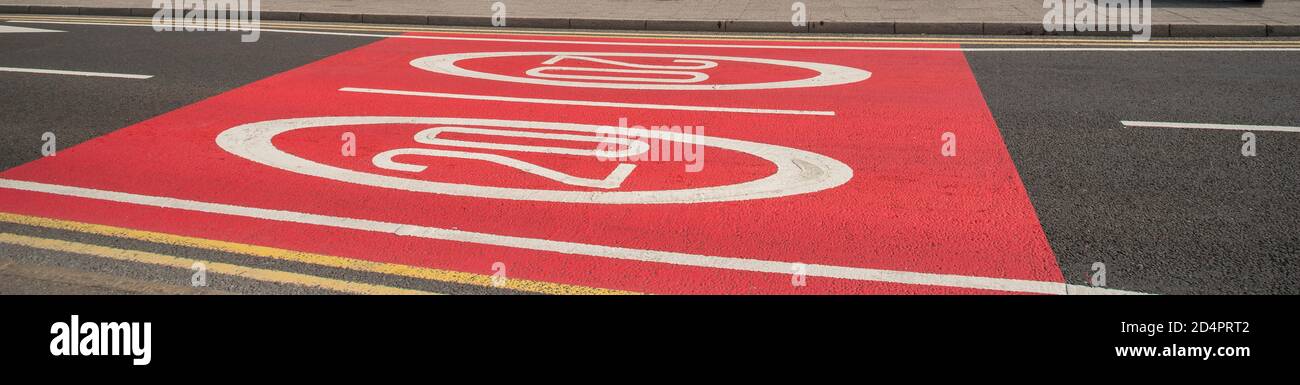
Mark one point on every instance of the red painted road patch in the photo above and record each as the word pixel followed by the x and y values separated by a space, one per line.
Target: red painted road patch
pixel 480 151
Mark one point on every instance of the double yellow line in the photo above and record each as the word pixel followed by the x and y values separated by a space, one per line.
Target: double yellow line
pixel 214 267
pixel 423 273
pixel 1013 41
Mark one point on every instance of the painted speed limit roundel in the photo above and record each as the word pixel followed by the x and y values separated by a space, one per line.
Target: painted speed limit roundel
pixel 622 71
pixel 797 171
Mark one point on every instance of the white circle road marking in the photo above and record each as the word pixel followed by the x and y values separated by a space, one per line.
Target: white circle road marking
pixel 827 74
pixel 798 171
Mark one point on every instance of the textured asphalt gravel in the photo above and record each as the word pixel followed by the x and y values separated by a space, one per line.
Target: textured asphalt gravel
pixel 1171 211
pixel 1168 210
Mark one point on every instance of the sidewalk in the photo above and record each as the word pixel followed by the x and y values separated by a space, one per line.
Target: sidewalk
pixel 1177 18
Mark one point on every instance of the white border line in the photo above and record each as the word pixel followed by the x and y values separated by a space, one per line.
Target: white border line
pixel 642 44
pixel 586 102
pixel 76 73
pixel 1208 126
pixel 13 29
pixel 612 252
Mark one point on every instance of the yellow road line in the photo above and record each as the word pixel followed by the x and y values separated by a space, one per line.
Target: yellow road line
pixel 215 267
pixel 653 35
pixel 309 258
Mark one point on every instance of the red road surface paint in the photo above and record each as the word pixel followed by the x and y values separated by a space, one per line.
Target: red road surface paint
pixel 905 208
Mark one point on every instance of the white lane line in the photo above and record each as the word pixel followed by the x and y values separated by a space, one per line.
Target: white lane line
pixel 76 73
pixel 645 44
pixel 716 262
pixel 1207 126
pixel 13 29
pixel 589 103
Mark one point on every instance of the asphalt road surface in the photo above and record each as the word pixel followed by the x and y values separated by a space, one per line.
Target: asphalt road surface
pixel 871 165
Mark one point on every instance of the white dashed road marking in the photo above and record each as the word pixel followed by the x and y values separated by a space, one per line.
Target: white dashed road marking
pixel 74 73
pixel 1207 126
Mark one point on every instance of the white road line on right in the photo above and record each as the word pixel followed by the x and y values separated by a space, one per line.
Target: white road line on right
pixel 13 29
pixel 587 103
pixel 1207 126
pixel 74 73
pixel 574 248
